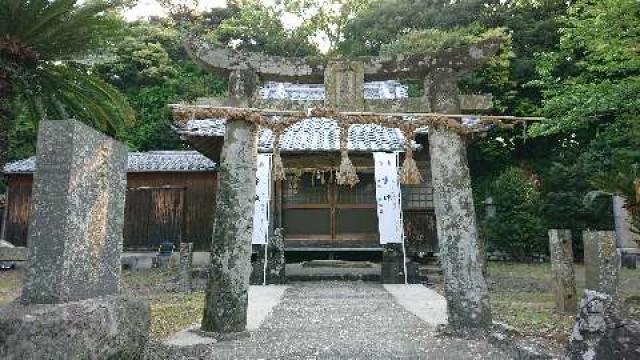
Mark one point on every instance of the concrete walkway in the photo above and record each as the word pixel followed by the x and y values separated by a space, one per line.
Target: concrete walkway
pixel 343 320
pixel 421 301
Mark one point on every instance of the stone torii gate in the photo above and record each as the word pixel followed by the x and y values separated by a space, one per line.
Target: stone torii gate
pixel 465 287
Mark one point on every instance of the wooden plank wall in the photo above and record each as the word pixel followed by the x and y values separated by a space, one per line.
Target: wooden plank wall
pixel 155 216
pixel 199 206
pixel 18 209
pixel 199 201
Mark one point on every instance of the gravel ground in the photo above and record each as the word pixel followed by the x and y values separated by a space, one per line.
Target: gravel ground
pixel 338 320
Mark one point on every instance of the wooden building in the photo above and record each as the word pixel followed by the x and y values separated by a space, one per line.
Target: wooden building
pixel 170 198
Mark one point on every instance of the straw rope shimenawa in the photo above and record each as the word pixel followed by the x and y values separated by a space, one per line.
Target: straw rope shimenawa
pixel 279 120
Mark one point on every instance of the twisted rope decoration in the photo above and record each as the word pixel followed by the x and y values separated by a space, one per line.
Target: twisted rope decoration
pixel 409 172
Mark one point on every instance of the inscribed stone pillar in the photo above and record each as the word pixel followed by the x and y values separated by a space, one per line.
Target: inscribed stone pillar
pixel 465 286
pixel 228 287
pixel 344 85
pixel 601 261
pixel 75 233
pixel 186 266
pixel 564 280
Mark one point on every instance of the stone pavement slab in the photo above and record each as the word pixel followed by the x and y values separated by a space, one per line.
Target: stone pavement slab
pixel 339 320
pixel 421 301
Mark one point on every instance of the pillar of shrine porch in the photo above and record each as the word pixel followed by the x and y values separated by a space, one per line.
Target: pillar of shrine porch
pixel 464 283
pixel 226 299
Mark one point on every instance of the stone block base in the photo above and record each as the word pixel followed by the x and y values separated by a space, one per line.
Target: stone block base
pixel 392 266
pixel 276 274
pixel 630 261
pixel 100 328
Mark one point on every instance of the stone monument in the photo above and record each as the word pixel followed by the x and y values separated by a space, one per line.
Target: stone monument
pixel 601 262
pixel 70 306
pixel 564 279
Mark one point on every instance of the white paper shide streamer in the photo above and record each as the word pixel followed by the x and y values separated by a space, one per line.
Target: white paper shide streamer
pixel 388 198
pixel 263 199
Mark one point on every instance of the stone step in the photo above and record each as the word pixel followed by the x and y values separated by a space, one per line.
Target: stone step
pixel 429 270
pixel 300 272
pixel 336 264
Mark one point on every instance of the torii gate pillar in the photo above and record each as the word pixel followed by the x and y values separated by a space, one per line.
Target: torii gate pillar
pixel 226 299
pixel 464 284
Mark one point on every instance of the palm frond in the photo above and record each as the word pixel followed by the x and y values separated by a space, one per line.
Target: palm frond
pixel 70 90
pixel 58 29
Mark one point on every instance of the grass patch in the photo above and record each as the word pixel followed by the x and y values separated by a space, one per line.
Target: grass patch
pixel 173 312
pixel 10 285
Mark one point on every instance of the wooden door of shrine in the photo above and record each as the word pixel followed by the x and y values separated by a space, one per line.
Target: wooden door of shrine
pixel 320 213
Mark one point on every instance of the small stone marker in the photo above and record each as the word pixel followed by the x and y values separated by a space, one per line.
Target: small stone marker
pixel 186 264
pixel 564 279
pixel 75 234
pixel 601 261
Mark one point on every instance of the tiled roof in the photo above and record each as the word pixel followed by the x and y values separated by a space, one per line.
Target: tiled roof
pixel 139 162
pixel 312 134
pixel 316 134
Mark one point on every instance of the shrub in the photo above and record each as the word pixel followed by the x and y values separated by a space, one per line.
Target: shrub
pixel 518 226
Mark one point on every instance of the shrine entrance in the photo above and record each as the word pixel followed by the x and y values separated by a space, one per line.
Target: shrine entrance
pixel 318 213
pixel 325 212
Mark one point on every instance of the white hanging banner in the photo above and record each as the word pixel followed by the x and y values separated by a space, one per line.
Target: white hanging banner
pixel 388 198
pixel 263 200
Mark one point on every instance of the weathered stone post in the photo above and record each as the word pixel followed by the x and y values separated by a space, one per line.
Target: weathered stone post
pixel 186 266
pixel 564 279
pixel 601 262
pixel 628 241
pixel 227 291
pixel 70 307
pixel 464 284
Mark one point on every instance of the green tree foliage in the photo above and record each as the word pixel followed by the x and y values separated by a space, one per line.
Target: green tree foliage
pixel 591 84
pixel 531 26
pixel 384 21
pixel 517 227
pixel 253 26
pixel 326 19
pixel 44 50
pixel 593 78
pixel 150 66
